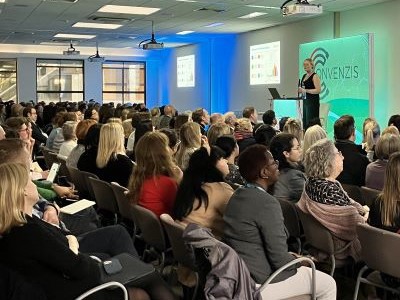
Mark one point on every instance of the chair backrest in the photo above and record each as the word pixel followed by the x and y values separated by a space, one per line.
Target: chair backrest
pixel 104 195
pixel 316 234
pixel 369 195
pixel 88 186
pixel 379 249
pixel 124 205
pixel 354 192
pixel 151 229
pixel 291 218
pixel 79 181
pixel 63 171
pixel 180 250
pixel 48 157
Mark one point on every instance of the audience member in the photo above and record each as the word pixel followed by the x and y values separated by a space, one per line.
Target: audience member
pixel 166 118
pixel 286 150
pixel 216 118
pixel 355 163
pixel 230 119
pixel 254 228
pixel 375 173
pixel 217 130
pixel 313 134
pixel 250 113
pixel 394 121
pixel 68 131
pixel 324 198
pixel 87 161
pixel 37 134
pixel 371 134
pixel 391 129
pixel 191 140
pixel 173 141
pixel 244 133
pixel 153 183
pixel 202 194
pixel 263 134
pixel 81 131
pixel 293 126
pixel 282 123
pixel 201 117
pixel 269 118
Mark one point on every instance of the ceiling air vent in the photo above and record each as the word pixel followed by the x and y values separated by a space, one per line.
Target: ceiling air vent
pixel 110 19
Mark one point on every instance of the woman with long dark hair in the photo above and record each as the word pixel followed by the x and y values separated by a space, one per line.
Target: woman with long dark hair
pixel 203 195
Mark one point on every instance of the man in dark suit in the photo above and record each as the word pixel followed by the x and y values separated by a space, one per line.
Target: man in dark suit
pixel 355 162
pixel 40 138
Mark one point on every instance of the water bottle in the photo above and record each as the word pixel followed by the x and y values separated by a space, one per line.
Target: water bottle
pixel 303 94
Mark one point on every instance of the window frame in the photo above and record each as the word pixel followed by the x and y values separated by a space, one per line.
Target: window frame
pixel 60 66
pixel 16 76
pixel 123 92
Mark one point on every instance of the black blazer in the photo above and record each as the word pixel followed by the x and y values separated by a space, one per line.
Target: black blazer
pixel 354 164
pixel 40 253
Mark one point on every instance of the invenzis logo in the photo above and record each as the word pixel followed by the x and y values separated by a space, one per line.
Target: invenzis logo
pixel 320 57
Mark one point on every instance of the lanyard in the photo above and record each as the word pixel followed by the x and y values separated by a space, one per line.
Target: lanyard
pixel 249 185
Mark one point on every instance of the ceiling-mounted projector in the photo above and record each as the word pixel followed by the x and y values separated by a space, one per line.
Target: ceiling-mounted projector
pixel 96 57
pixel 71 50
pixel 151 44
pixel 301 8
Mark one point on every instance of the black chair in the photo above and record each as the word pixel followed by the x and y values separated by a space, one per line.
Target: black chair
pixel 354 192
pixel 105 198
pixel 292 222
pixel 369 195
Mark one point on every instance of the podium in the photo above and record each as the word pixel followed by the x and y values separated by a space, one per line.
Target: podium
pixel 288 107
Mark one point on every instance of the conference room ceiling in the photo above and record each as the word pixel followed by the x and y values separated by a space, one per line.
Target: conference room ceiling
pixel 36 22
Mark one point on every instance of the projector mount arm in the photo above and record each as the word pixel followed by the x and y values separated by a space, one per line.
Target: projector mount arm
pixel 298 2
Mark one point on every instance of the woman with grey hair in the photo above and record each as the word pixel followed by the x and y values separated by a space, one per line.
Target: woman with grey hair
pixel 324 198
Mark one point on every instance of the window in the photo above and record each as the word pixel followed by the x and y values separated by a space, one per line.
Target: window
pixel 59 80
pixel 8 79
pixel 124 82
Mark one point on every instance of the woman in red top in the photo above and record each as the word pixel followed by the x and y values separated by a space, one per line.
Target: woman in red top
pixel 155 178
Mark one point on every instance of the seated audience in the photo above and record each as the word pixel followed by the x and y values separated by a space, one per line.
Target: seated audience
pixel 68 131
pixel 202 194
pixel 355 163
pixel 254 228
pixel 37 134
pixel 91 113
pixel 154 180
pixel 87 161
pixel 165 119
pixel 81 131
pixel 56 137
pixel 191 140
pixel 391 129
pixel 42 253
pixel 217 130
pixel 313 134
pixel 385 210
pixel 155 116
pixel 244 133
pixel 231 151
pixel 325 199
pixel 22 127
pixel 286 150
pixel 230 119
pixel 375 174
pixel 371 134
pixel 269 118
pixel 216 118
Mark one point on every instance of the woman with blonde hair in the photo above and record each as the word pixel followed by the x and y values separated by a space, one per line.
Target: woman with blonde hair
pixel 154 180
pixel 43 253
pixel 371 133
pixel 191 140
pixel 313 134
pixel 244 133
pixel 391 129
pixel 293 126
pixel 111 161
pixel 217 130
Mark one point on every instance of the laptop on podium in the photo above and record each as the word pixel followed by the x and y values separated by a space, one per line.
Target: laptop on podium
pixel 274 93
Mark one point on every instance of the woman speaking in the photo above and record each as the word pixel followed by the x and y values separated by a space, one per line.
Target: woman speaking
pixel 310 87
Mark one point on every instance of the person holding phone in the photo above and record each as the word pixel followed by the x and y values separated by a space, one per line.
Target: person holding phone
pixel 310 88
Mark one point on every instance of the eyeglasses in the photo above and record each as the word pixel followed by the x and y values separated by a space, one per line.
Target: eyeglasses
pixel 276 162
pixel 25 129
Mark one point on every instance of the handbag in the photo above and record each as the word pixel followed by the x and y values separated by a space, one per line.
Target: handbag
pixel 126 269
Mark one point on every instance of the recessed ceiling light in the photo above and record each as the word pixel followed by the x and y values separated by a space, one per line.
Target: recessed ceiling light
pixel 191 1
pixel 96 25
pixel 253 15
pixel 74 36
pixel 132 10
pixel 2 1
pixel 266 7
pixel 185 32
pixel 214 24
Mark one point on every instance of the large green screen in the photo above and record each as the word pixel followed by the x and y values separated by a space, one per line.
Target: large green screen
pixel 343 64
